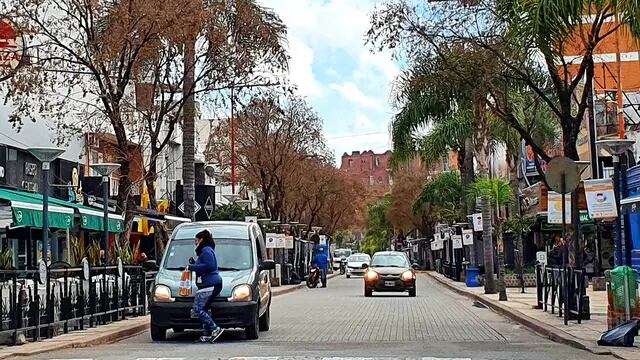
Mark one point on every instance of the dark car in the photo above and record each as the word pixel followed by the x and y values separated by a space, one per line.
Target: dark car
pixel 389 271
pixel 245 299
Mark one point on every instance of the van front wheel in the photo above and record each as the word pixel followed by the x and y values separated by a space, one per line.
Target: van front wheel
pixel 158 333
pixel 252 332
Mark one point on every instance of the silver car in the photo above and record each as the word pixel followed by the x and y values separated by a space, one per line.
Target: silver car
pixel 355 262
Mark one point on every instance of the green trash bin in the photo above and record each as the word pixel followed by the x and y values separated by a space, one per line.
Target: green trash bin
pixel 618 277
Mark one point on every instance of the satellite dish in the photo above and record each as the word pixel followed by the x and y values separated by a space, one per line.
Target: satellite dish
pixel 562 167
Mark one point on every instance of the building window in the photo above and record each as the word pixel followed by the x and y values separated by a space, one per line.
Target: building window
pixel 377 162
pixel 350 162
pixel 379 180
pixel 372 180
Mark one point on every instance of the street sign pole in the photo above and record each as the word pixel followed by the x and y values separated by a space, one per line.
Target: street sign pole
pixel 565 251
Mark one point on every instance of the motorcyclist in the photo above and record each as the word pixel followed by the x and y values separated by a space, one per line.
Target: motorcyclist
pixel 320 260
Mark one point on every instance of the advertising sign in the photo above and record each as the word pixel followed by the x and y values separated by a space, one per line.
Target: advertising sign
pixel 554 212
pixel 467 237
pixel 541 257
pixel 323 240
pixel 601 200
pixel 281 242
pixel 271 240
pixel 12 47
pixel 457 241
pixel 477 222
pixel 289 241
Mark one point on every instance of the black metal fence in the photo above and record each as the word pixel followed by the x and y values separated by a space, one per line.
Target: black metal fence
pixel 554 285
pixel 452 271
pixel 42 304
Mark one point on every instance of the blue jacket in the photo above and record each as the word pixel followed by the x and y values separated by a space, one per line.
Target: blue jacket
pixel 206 269
pixel 321 261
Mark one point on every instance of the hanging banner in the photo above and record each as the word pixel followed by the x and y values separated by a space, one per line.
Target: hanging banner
pixel 281 242
pixel 554 212
pixel 467 237
pixel 323 240
pixel 457 241
pixel 289 241
pixel 601 199
pixel 477 222
pixel 271 240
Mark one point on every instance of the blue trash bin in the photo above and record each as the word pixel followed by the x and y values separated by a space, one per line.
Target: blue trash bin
pixel 472 277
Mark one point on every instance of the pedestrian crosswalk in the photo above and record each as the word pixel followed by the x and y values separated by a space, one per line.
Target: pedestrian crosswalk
pixel 286 358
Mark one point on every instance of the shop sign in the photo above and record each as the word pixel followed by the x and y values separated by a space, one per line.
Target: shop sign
pixel 541 257
pixel 477 222
pixel 29 186
pixel 456 240
pixel 12 47
pixel 281 241
pixel 601 199
pixel 467 237
pixel 554 212
pixel 289 241
pixel 530 203
pixel 30 169
pixel 271 240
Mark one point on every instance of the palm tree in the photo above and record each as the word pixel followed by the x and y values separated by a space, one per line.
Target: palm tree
pixel 498 194
pixel 443 195
pixel 243 36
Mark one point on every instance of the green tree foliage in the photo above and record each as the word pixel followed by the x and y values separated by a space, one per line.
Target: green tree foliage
pixel 378 228
pixel 444 195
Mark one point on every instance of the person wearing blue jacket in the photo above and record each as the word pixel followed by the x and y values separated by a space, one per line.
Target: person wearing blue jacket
pixel 209 284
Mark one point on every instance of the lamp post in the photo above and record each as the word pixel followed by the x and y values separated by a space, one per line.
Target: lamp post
pixel 105 170
pixel 617 147
pixel 46 155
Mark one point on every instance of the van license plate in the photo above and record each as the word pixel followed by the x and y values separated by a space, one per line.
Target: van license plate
pixel 389 283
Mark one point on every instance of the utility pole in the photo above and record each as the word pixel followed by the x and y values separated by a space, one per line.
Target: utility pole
pixel 188 134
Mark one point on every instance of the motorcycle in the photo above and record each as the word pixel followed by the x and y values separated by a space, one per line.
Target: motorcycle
pixel 313 278
pixel 343 266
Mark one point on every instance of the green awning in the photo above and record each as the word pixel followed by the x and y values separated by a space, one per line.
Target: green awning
pixel 27 210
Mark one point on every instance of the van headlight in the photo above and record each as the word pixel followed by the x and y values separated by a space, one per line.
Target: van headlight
pixel 162 293
pixel 371 275
pixel 241 293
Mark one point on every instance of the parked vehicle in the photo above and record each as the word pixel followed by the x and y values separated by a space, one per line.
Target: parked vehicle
pixel 355 262
pixel 245 299
pixel 390 271
pixel 313 278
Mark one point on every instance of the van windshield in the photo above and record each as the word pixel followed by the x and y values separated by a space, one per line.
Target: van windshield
pixel 232 254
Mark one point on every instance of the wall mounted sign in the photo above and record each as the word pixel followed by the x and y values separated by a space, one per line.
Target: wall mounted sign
pixel 271 240
pixel 477 222
pixel 456 240
pixel 281 242
pixel 601 199
pixel 467 237
pixel 12 47
pixel 554 212
pixel 30 169
pixel 289 241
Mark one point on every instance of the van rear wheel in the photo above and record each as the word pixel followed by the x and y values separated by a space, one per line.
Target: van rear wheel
pixel 265 319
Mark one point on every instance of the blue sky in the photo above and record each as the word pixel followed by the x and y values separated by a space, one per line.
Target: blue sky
pixel 333 67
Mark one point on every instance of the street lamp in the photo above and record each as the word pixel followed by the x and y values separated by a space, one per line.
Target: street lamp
pixel 615 148
pixel 105 170
pixel 46 155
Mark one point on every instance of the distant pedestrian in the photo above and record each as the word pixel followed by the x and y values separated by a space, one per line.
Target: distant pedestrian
pixel 320 260
pixel 209 284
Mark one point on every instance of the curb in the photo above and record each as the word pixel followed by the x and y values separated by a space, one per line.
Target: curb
pixel 296 287
pixel 548 331
pixel 91 340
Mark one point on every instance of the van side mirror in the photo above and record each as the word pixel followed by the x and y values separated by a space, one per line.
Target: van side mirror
pixel 268 265
pixel 415 266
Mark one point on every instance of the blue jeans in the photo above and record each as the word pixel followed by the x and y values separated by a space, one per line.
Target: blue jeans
pixel 201 302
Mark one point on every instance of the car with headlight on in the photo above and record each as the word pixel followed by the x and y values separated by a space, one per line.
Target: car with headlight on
pixel 355 262
pixel 245 299
pixel 390 271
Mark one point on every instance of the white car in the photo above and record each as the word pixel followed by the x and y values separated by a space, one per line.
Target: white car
pixel 338 254
pixel 355 262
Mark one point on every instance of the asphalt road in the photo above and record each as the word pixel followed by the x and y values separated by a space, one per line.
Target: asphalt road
pixel 340 322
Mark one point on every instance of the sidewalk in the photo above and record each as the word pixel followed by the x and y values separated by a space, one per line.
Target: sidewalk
pixel 104 334
pixel 521 308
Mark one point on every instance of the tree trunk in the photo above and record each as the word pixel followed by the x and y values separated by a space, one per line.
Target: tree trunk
pixel 467 178
pixel 520 258
pixel 487 239
pixel 482 135
pixel 161 234
pixel 189 132
pixel 501 285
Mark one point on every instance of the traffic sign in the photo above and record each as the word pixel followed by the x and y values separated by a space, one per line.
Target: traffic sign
pixel 196 208
pixel 561 167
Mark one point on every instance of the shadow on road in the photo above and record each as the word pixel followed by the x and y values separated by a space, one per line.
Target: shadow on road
pixel 190 336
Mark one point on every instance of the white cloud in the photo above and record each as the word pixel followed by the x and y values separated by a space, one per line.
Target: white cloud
pixel 351 92
pixel 301 69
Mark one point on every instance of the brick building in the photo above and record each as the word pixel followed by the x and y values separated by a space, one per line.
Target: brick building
pixel 374 170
